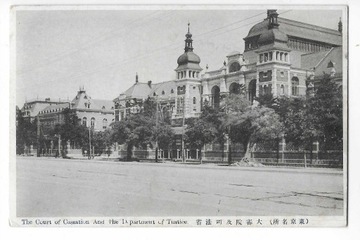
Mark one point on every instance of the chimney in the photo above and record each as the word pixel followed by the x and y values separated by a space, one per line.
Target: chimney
pixel 136 78
pixel 149 83
pixel 272 16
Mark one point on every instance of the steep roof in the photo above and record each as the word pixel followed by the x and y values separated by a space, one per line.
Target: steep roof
pixel 168 88
pixel 83 101
pixel 300 30
pixel 320 61
pixel 138 90
pixel 54 108
pixel 103 104
pixel 311 60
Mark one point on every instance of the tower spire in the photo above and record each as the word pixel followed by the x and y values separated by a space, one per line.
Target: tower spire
pixel 188 40
pixel 340 26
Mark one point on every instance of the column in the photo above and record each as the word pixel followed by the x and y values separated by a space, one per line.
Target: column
pixel 274 81
pixel 289 83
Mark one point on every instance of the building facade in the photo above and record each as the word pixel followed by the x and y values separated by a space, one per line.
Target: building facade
pixel 282 57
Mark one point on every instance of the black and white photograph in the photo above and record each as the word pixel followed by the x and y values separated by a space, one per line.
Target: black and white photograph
pixel 178 116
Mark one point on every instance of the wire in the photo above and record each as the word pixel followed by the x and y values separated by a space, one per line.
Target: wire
pixel 162 49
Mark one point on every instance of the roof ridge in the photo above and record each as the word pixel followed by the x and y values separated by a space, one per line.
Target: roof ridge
pixel 310 26
pixel 324 57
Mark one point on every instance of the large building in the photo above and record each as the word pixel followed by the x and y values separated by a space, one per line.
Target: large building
pixel 281 56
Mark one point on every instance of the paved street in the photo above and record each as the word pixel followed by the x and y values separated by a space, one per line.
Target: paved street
pixel 48 187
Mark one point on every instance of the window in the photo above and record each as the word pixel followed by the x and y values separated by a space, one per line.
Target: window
pixel 84 121
pixel 295 86
pixel 282 90
pixel 104 123
pixel 163 92
pixel 86 105
pixel 180 105
pixel 194 100
pixel 92 122
pixel 234 67
pixel 172 90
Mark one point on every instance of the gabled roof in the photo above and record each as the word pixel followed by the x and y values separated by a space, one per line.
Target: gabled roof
pixel 164 87
pixel 138 90
pixel 311 60
pixel 82 101
pixel 319 61
pixel 103 104
pixel 54 108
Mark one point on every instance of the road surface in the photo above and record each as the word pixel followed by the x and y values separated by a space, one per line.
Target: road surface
pixel 48 187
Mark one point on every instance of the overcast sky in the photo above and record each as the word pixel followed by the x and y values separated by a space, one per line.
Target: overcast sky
pixel 59 50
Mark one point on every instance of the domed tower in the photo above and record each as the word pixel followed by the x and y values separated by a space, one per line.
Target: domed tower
pixel 188 62
pixel 188 82
pixel 267 46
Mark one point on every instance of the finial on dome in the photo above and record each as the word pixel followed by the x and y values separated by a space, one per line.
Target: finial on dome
pixel 340 26
pixel 136 78
pixel 207 66
pixel 188 40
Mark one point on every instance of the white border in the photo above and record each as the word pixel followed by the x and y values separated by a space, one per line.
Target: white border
pixel 352 231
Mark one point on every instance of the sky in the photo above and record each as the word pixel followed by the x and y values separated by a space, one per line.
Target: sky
pixel 57 51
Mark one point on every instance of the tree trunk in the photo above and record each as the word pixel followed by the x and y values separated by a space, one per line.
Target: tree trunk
pixel 129 148
pixel 249 148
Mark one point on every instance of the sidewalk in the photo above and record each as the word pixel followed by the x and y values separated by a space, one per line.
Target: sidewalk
pixel 200 166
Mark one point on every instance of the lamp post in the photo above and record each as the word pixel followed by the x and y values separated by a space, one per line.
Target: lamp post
pixel 89 155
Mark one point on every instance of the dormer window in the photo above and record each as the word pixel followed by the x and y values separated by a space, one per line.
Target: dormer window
pixel 85 97
pixel 86 105
pixel 103 107
pixel 163 92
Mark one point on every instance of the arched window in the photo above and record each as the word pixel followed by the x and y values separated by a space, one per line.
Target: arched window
pixel 282 90
pixel 295 86
pixel 234 88
pixel 104 123
pixel 215 92
pixel 234 67
pixel 84 121
pixel 194 100
pixel 252 90
pixel 92 122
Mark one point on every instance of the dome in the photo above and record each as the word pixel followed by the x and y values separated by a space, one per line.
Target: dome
pixel 271 36
pixel 258 29
pixel 188 57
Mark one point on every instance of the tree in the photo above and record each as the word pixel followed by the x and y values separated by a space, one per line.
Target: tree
pixel 208 128
pixel 134 131
pixel 101 142
pixel 71 130
pixel 248 124
pixel 326 109
pixel 25 132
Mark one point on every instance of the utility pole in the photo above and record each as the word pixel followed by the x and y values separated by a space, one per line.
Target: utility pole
pixel 37 136
pixel 183 132
pixel 59 144
pixel 89 144
pixel 157 130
